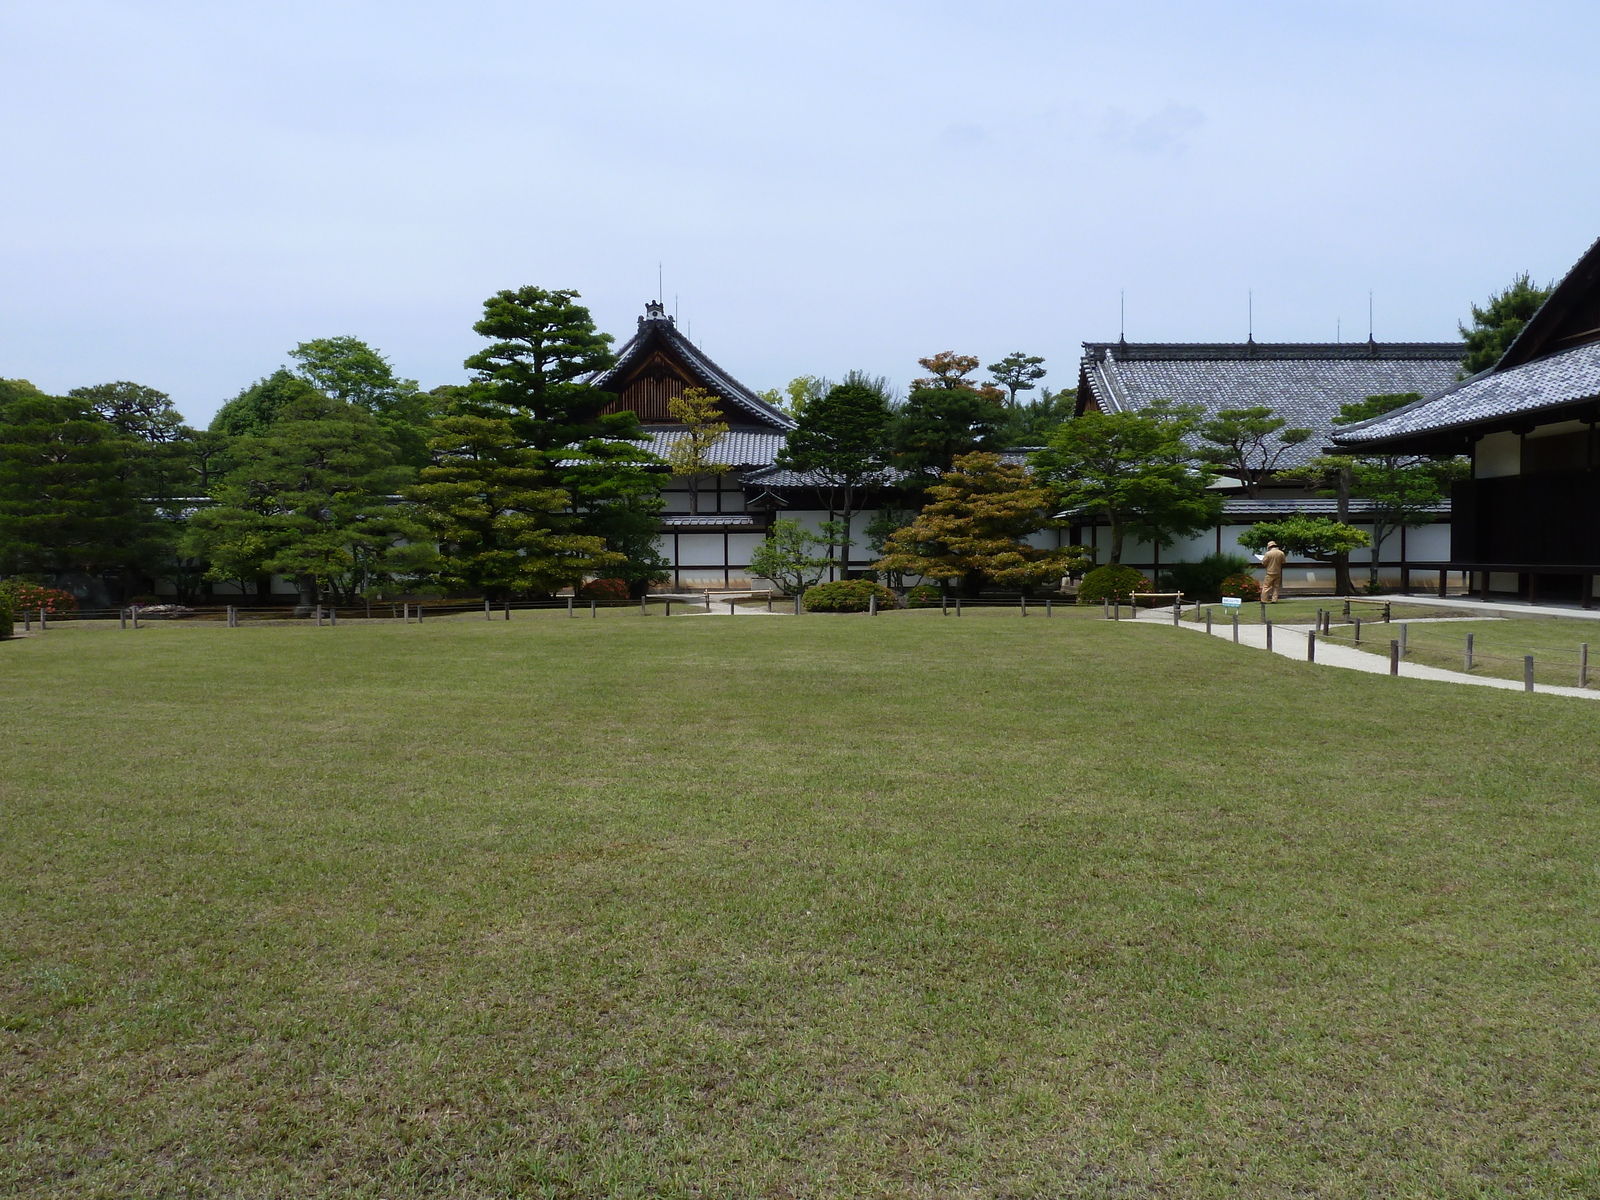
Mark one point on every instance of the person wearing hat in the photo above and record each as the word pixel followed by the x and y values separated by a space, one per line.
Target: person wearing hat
pixel 1272 560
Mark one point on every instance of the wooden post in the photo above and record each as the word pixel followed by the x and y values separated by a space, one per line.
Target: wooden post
pixel 419 614
pixel 643 611
pixel 1583 665
pixel 1403 631
pixel 669 606
pixel 1444 582
pixel 1236 627
pixel 1311 645
pixel 27 620
pixel 769 601
pixel 1356 622
pixel 1048 610
pixel 508 610
pixel 594 608
pixel 1386 612
pixel 333 616
pixel 486 615
pixel 1024 600
pixel 1105 608
pixel 569 605
pixel 1469 651
pixel 1174 616
pixel 317 613
pixel 944 603
pixel 1394 657
pixel 1347 607
pixel 44 623
pixel 797 604
pixel 408 612
pixel 872 605
pixel 958 606
pixel 369 608
pixel 1269 635
pixel 1527 673
pixel 1116 609
pixel 135 617
pixel 1208 620
pixel 1263 610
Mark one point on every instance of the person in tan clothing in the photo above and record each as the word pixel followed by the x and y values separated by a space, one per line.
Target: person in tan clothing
pixel 1272 560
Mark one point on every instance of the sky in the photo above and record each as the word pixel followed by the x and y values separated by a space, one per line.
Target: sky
pixel 191 189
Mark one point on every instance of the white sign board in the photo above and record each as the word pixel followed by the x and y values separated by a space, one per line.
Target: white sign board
pixel 1231 602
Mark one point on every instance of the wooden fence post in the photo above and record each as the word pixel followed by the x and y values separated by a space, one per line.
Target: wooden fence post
pixel 1269 635
pixel 1394 657
pixel 958 606
pixel 1311 645
pixel 872 605
pixel 419 614
pixel 944 603
pixel 1023 600
pixel 1469 651
pixel 1208 620
pixel 797 604
pixel 1235 627
pixel 333 616
pixel 1403 647
pixel 1583 665
pixel 1049 611
pixel 508 610
pixel 1174 616
pixel 1356 622
pixel 1386 615
pixel 122 618
pixel 1527 673
pixel 594 608
pixel 643 610
pixel 486 615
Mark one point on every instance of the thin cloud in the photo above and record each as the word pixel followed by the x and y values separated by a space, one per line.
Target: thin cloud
pixel 1164 132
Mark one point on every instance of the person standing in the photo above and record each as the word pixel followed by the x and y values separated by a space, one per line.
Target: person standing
pixel 1272 560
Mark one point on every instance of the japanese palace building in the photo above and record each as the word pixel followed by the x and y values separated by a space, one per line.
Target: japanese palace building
pixel 1528 519
pixel 1305 384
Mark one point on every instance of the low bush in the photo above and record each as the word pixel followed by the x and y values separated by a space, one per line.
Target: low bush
pixel 1243 586
pixel 31 596
pixel 1110 582
pixel 5 618
pixel 605 590
pixel 924 595
pixel 1203 580
pixel 847 595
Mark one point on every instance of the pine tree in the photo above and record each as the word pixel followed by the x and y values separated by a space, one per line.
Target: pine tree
pixel 690 456
pixel 972 530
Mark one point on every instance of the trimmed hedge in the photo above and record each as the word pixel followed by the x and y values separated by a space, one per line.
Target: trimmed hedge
pixel 1243 586
pixel 1111 582
pixel 847 596
pixel 924 595
pixel 604 590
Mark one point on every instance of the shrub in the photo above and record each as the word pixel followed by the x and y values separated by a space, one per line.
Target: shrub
pixel 5 618
pixel 605 590
pixel 18 596
pixel 1241 585
pixel 847 595
pixel 924 595
pixel 1203 580
pixel 1110 582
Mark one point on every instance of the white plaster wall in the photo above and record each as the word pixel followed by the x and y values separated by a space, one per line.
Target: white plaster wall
pixel 1497 455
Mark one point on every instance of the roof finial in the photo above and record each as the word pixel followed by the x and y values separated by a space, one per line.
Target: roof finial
pixel 1122 316
pixel 1250 315
pixel 653 310
pixel 1369 316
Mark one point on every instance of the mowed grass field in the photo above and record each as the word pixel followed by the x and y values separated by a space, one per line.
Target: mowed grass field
pixel 904 906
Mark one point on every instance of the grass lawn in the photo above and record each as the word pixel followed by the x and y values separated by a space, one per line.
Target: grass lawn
pixel 1498 647
pixel 906 906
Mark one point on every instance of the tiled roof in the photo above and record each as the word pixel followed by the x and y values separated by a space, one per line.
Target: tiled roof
pixel 1242 508
pixel 783 477
pixel 1564 378
pixel 708 521
pixel 654 329
pixel 740 448
pixel 1303 383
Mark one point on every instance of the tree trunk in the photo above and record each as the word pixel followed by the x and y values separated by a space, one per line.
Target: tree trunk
pixel 1341 575
pixel 1116 542
pixel 694 495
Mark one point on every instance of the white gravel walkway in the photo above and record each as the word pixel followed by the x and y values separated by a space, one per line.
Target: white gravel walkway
pixel 1290 642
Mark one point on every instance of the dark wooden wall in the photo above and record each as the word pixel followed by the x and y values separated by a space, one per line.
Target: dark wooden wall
pixel 647 391
pixel 1552 517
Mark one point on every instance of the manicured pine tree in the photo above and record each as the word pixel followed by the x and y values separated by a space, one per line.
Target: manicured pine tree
pixel 973 527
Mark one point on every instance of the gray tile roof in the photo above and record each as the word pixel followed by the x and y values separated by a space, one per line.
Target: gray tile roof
pixel 1564 378
pixel 1236 509
pixel 709 521
pixel 744 449
pixel 654 330
pixel 1303 383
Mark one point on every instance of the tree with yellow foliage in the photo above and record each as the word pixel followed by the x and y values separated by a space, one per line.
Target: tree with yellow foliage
pixel 700 415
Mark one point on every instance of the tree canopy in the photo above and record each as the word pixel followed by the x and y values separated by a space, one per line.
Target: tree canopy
pixel 1133 471
pixel 1496 324
pixel 973 527
pixel 1316 538
pixel 690 456
pixel 1017 372
pixel 1248 443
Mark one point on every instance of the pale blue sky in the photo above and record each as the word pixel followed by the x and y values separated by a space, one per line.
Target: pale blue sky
pixel 192 188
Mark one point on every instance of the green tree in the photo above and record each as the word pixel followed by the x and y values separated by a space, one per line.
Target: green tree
pixel 1131 470
pixel 884 524
pixel 973 527
pixel 797 393
pixel 1032 424
pixel 309 498
pixel 348 369
pixel 1496 324
pixel 937 425
pixel 787 557
pixel 504 524
pixel 65 499
pixel 544 349
pixel 693 456
pixel 1017 372
pixel 257 406
pixel 841 441
pixel 1248 443
pixel 1316 538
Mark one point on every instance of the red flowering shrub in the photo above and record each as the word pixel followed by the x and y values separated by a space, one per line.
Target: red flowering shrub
pixel 1243 586
pixel 32 597
pixel 604 590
